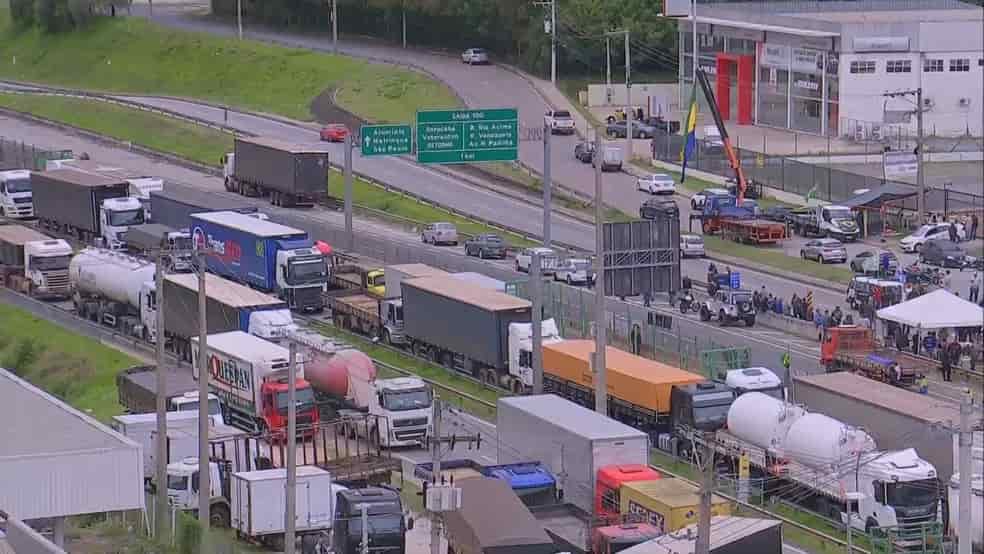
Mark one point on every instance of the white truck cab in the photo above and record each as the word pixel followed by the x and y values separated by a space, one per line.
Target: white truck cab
pixel 272 325
pixel 521 350
pixel 302 273
pixel 183 490
pixel 755 379
pixel 141 187
pixel 188 402
pixel 16 200
pixel 116 215
pixel 403 405
pixel 46 266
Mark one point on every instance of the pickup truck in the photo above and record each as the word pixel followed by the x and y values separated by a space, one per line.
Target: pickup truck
pixel 559 122
pixel 611 158
pixel 836 222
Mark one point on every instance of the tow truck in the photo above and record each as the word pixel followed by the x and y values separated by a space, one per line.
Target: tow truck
pixel 853 348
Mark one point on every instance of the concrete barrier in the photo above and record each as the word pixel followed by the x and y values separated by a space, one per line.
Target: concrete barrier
pixel 789 325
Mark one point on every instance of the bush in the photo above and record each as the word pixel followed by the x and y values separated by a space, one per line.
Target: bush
pixel 24 354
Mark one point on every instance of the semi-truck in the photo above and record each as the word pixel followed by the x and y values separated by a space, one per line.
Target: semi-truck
pixel 174 205
pixel 229 307
pixel 142 428
pixel 150 239
pixel 34 263
pixel 854 348
pixel 347 379
pixel 388 524
pixel 250 376
pixel 826 221
pixel 88 206
pixel 729 535
pixel 137 389
pixel 722 214
pixel 290 174
pixel 15 194
pixel 140 186
pixel 116 290
pixel 265 255
pixel 361 277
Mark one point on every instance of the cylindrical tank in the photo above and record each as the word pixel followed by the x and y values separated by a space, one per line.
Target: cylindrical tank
pixel 763 420
pixel 340 373
pixel 112 275
pixel 976 509
pixel 818 441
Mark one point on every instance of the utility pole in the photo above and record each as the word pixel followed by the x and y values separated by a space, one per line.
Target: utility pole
pixel 628 99
pixel 547 184
pixel 290 515
pixel 693 13
pixel 608 63
pixel 160 500
pixel 966 440
pixel 334 26
pixel 436 460
pixel 204 481
pixel 239 17
pixel 349 234
pixel 703 545
pixel 601 387
pixel 920 170
pixel 364 546
pixel 553 42
pixel 536 348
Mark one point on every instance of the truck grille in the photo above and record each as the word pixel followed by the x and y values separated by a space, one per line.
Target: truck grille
pixel 57 280
pixel 409 422
pixel 25 200
pixel 409 435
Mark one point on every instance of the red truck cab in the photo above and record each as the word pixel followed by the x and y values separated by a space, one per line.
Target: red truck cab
pixel 274 409
pixel 845 338
pixel 615 538
pixel 610 480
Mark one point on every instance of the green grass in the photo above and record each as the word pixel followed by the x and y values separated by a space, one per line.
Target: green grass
pixel 76 369
pixel 130 54
pixel 776 259
pixel 186 140
pixel 395 204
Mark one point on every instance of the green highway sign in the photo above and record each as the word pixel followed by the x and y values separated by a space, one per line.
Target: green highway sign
pixel 466 136
pixel 386 140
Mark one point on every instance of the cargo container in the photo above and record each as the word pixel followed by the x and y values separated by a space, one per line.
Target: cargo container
pixel 153 239
pixel 669 504
pixel 492 520
pixel 290 174
pixel 85 205
pixel 396 274
pixel 33 263
pixel 570 440
pixel 137 389
pixel 229 307
pixel 530 481
pixel 140 185
pixel 265 255
pixel 174 205
pixel 142 429
pixel 729 535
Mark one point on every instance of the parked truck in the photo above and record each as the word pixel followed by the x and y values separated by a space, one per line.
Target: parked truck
pixel 265 255
pixel 140 185
pixel 360 277
pixel 174 205
pixel 116 290
pixel 137 390
pixel 142 429
pixel 91 207
pixel 729 535
pixel 835 222
pixel 150 239
pixel 250 375
pixel 346 379
pixel 34 263
pixel 15 194
pixel 388 524
pixel 853 348
pixel 229 307
pixel 290 174
pixel 723 215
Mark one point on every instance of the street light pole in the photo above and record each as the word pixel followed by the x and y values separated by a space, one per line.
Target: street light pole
pixel 599 362
pixel 334 26
pixel 553 42
pixel 547 185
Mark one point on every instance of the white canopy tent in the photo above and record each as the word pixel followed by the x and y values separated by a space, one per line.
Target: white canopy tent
pixel 939 309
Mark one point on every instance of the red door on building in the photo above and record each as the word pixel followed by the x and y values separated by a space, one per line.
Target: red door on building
pixel 746 85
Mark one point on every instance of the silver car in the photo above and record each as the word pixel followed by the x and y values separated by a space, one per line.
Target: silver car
pixel 824 250
pixel 440 233
pixel 474 56
pixel 691 246
pixel 575 271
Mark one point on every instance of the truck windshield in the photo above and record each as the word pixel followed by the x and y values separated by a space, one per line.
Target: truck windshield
pixel 18 185
pixel 181 243
pixel 833 214
pixel 50 263
pixel 125 218
pixel 307 271
pixel 403 400
pixel 305 399
pixel 385 525
pixel 912 493
pixel 177 482
pixel 213 406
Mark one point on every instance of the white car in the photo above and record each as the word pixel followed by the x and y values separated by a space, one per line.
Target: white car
pixel 575 271
pixel 698 199
pixel 560 122
pixel 474 56
pixel 548 260
pixel 440 233
pixel 691 246
pixel 656 183
pixel 930 231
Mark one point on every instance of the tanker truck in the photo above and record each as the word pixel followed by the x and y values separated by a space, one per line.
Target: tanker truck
pixel 345 380
pixel 34 263
pixel 116 290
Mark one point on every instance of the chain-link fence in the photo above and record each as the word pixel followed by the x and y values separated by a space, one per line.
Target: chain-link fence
pixel 15 154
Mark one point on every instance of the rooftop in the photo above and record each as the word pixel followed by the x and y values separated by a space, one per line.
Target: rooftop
pixel 468 293
pixel 224 290
pixel 247 223
pixel 293 147
pixel 80 178
pixel 573 417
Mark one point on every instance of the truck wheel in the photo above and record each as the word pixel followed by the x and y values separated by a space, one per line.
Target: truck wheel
pixel 722 318
pixel 705 314
pixel 218 516
pixel 750 322
pixel 386 337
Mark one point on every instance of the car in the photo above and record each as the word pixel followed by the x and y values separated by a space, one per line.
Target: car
pixel 560 122
pixel 824 250
pixel 440 233
pixel 729 306
pixel 776 213
pixel 548 260
pixel 639 130
pixel 334 132
pixel 930 231
pixel 656 183
pixel 488 245
pixel 653 207
pixel 870 261
pixel 663 125
pixel 474 56
pixel 943 253
pixel 611 158
pixel 697 200
pixel 584 151
pixel 691 246
pixel 575 271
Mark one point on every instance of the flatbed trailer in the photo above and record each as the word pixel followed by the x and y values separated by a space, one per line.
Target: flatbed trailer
pixel 356 312
pixel 360 277
pixel 877 364
pixel 754 231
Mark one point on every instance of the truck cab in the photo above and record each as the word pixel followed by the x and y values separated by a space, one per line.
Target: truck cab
pixel 826 221
pixel 610 481
pixel 387 523
pixel 141 187
pixel 116 215
pixel 16 198
pixel 188 402
pixel 46 267
pixel 404 406
pixel 700 407
pixel 616 538
pixel 183 490
pixel 372 280
pixel 755 379
pixel 521 352
pixel 301 277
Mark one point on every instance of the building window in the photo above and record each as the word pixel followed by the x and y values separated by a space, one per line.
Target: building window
pixel 862 67
pixel 933 66
pixel 898 66
pixel 960 64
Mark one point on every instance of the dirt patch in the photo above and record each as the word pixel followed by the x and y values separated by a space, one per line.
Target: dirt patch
pixel 325 110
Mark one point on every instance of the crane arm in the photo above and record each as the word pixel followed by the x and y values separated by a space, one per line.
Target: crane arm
pixel 728 149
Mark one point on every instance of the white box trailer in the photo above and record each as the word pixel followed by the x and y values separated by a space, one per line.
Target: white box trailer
pixel 259 501
pixel 142 429
pixel 571 440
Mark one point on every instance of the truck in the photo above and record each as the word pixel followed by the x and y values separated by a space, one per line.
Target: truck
pixel 142 429
pixel 15 194
pixel 90 207
pixel 250 375
pixel 396 274
pixel 150 239
pixel 854 348
pixel 836 222
pixel 229 307
pixel 610 158
pixel 140 186
pixel 267 256
pixel 346 379
pixel 388 524
pixel 360 277
pixel 116 290
pixel 729 535
pixel 137 390
pixel 667 504
pixel 484 500
pixel 258 501
pixel 290 174
pixel 174 205
pixel 530 481
pixel 33 263
pixel 724 215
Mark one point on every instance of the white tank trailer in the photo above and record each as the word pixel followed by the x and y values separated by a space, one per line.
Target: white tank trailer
pixel 116 290
pixel 763 421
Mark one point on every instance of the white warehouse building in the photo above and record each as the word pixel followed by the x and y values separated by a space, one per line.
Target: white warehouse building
pixel 825 67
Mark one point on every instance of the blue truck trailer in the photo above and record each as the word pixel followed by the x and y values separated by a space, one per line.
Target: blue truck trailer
pixel 531 481
pixel 263 255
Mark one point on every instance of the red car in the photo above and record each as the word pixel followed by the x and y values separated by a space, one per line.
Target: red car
pixel 334 132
